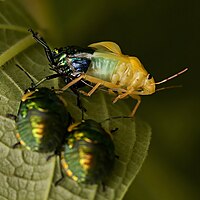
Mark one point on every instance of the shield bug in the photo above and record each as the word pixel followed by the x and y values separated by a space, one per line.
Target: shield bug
pixel 42 120
pixel 101 64
pixel 88 154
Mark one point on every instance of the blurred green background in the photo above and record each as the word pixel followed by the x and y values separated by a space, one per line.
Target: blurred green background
pixel 164 35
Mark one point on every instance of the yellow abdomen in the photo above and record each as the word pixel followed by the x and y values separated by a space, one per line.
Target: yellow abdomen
pixel 129 73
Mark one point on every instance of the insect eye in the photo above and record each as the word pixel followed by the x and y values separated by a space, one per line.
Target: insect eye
pixel 149 76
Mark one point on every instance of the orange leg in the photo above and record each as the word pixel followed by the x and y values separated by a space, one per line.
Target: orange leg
pixel 138 98
pixel 111 87
pixel 130 93
pixel 91 91
pixel 123 93
pixel 121 96
pixel 92 80
pixel 72 83
pixel 104 83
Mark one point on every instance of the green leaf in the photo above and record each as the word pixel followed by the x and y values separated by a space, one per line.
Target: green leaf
pixel 27 175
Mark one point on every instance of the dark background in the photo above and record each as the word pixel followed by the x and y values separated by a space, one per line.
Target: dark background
pixel 164 35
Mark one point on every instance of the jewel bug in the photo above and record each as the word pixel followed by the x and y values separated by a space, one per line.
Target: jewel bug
pixel 88 153
pixel 42 120
pixel 101 64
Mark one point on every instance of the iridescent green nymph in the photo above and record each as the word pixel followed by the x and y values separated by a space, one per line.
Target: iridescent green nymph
pixel 42 121
pixel 88 155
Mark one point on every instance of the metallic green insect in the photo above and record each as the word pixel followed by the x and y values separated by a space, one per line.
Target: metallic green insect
pixel 88 154
pixel 42 120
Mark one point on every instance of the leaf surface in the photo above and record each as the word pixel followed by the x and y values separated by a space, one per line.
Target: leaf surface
pixel 26 175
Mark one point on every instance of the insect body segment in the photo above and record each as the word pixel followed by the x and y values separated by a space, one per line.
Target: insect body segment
pixel 71 59
pixel 124 71
pixel 42 120
pixel 88 155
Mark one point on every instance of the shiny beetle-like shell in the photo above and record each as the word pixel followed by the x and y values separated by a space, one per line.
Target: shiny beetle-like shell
pixel 42 121
pixel 88 155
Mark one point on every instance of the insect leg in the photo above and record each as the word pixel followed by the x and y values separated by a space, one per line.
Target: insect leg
pixel 121 96
pixel 79 102
pixel 47 78
pixel 91 91
pixel 98 83
pixel 50 156
pixel 72 83
pixel 97 80
pixel 11 116
pixel 138 98
pixel 16 145
pixel 91 79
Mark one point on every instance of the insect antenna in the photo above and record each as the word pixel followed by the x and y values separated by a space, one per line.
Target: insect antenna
pixel 39 39
pixel 171 77
pixel 169 87
pixel 27 74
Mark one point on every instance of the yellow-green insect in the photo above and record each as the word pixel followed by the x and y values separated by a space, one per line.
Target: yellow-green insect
pixel 119 73
pixel 101 64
